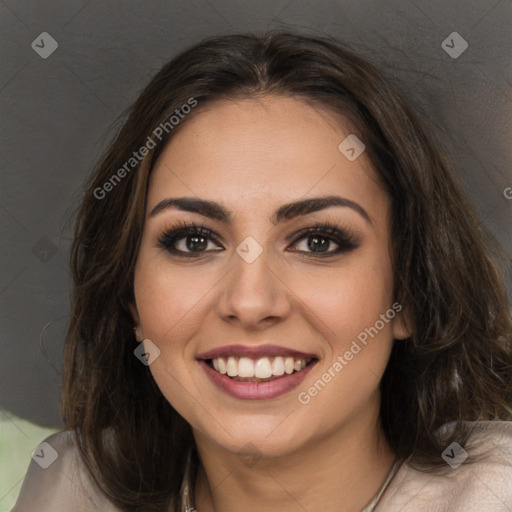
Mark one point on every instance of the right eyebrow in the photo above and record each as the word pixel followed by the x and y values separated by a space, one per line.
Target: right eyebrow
pixel 191 204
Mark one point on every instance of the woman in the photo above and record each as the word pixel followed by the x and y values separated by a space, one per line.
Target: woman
pixel 318 321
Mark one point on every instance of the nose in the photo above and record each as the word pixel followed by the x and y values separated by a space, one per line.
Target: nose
pixel 253 296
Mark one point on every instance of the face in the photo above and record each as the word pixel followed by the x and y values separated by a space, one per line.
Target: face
pixel 274 323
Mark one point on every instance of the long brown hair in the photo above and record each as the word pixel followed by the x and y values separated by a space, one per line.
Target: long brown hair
pixel 456 365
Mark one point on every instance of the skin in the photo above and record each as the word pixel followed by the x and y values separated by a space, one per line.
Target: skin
pixel 252 156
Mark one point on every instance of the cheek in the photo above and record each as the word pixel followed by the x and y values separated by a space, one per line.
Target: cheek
pixel 346 301
pixel 169 300
pixel 348 306
pixel 169 305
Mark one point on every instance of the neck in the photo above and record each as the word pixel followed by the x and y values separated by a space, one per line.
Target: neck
pixel 342 471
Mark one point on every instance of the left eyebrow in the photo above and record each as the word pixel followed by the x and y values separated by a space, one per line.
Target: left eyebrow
pixel 315 204
pixel 288 211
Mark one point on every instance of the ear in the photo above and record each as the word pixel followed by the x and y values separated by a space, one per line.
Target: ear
pixel 136 321
pixel 402 325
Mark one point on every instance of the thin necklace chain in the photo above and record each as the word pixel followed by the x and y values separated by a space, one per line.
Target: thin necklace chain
pixel 186 498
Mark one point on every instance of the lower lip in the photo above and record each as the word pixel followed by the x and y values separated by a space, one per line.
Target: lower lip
pixel 256 390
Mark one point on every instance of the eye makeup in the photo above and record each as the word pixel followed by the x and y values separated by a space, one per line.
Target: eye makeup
pixel 319 235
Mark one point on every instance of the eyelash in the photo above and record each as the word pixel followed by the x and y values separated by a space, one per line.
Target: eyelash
pixel 345 240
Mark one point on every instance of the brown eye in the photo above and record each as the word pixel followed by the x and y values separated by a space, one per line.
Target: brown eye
pixel 318 243
pixel 189 241
pixel 193 243
pixel 319 240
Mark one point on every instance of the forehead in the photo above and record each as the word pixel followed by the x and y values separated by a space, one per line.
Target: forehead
pixel 260 152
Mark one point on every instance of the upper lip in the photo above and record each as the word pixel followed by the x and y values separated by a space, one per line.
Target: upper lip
pixel 254 352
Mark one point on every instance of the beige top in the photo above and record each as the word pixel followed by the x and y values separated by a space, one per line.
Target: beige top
pixel 484 486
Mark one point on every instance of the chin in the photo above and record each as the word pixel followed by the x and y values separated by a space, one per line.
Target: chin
pixel 257 436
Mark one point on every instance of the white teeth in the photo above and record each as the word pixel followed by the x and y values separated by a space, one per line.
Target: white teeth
pixel 232 367
pixel 245 367
pixel 278 366
pixel 262 368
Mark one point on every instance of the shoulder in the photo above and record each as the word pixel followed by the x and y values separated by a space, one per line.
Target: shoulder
pixel 57 480
pixel 482 485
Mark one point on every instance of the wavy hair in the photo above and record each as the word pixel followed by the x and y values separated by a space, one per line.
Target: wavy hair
pixel 455 367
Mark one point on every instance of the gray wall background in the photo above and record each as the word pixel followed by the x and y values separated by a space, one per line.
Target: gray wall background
pixel 57 112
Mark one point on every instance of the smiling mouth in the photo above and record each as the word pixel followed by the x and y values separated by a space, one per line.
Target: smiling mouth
pixel 264 369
